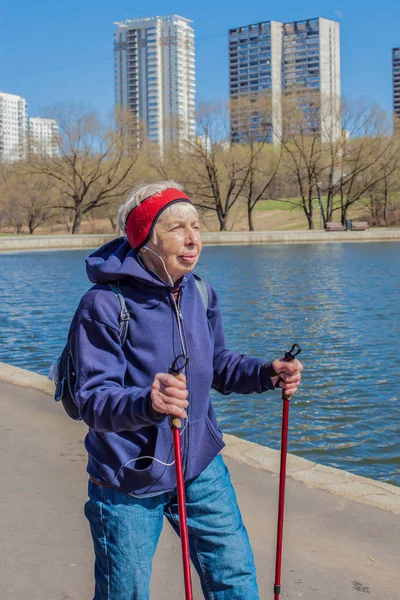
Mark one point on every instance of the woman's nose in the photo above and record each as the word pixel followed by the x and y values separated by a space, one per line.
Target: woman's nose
pixel 191 235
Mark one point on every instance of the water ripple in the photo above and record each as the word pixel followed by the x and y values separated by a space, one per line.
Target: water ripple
pixel 339 301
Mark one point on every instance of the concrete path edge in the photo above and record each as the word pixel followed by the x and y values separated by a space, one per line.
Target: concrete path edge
pixel 342 483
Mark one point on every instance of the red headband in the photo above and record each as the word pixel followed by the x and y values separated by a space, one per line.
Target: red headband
pixel 142 219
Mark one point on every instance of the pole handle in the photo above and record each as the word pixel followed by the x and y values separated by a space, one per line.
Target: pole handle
pixel 176 422
pixel 289 356
pixel 292 353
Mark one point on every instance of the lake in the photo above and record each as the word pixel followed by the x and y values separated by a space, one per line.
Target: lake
pixel 340 302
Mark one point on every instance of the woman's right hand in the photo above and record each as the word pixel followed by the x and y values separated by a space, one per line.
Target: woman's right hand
pixel 289 375
pixel 169 395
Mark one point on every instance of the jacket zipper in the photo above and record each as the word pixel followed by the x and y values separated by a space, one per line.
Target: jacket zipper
pixel 189 387
pixel 182 336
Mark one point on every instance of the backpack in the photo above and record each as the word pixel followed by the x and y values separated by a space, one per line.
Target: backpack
pixel 62 371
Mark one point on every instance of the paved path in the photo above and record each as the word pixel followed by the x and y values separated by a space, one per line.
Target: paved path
pixel 334 548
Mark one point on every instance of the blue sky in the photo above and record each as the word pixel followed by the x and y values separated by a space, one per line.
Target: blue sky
pixel 62 51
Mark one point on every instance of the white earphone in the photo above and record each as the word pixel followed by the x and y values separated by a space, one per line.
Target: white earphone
pixel 171 283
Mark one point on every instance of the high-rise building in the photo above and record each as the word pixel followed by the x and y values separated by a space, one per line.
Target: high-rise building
pixel 155 76
pixel 311 73
pixel 275 63
pixel 13 124
pixel 255 62
pixel 396 85
pixel 43 134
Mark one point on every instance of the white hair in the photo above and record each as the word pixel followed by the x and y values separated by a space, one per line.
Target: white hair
pixel 144 190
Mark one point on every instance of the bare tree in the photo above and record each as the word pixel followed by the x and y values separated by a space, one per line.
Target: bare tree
pixel 26 200
pixel 216 170
pixel 95 162
pixel 303 152
pixel 368 158
pixel 337 154
pixel 35 196
pixel 327 176
pixel 253 119
pixel 14 217
pixel 383 194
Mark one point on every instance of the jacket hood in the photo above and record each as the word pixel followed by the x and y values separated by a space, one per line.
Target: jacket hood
pixel 116 260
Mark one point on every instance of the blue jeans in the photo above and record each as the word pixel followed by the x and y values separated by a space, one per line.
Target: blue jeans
pixel 126 530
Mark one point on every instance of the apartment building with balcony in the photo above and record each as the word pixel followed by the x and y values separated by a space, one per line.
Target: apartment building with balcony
pixel 311 73
pixel 255 81
pixel 13 127
pixel 43 136
pixel 285 64
pixel 154 73
pixel 396 86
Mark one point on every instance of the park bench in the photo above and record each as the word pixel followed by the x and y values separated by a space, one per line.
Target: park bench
pixel 359 225
pixel 330 226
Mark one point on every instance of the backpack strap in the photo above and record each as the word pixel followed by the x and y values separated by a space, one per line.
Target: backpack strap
pixel 202 288
pixel 124 316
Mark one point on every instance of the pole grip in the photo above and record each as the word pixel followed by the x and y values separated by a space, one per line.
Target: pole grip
pixel 176 422
pixel 289 356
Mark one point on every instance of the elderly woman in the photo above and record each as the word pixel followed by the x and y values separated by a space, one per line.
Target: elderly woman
pixel 125 395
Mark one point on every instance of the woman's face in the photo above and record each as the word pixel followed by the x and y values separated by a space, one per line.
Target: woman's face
pixel 178 244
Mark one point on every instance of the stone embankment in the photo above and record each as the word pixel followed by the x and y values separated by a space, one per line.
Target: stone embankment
pixel 61 242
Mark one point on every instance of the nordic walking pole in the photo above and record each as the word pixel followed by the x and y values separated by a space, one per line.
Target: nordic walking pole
pixel 183 530
pixel 289 356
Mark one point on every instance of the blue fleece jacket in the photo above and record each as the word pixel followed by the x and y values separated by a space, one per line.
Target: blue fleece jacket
pixel 113 383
